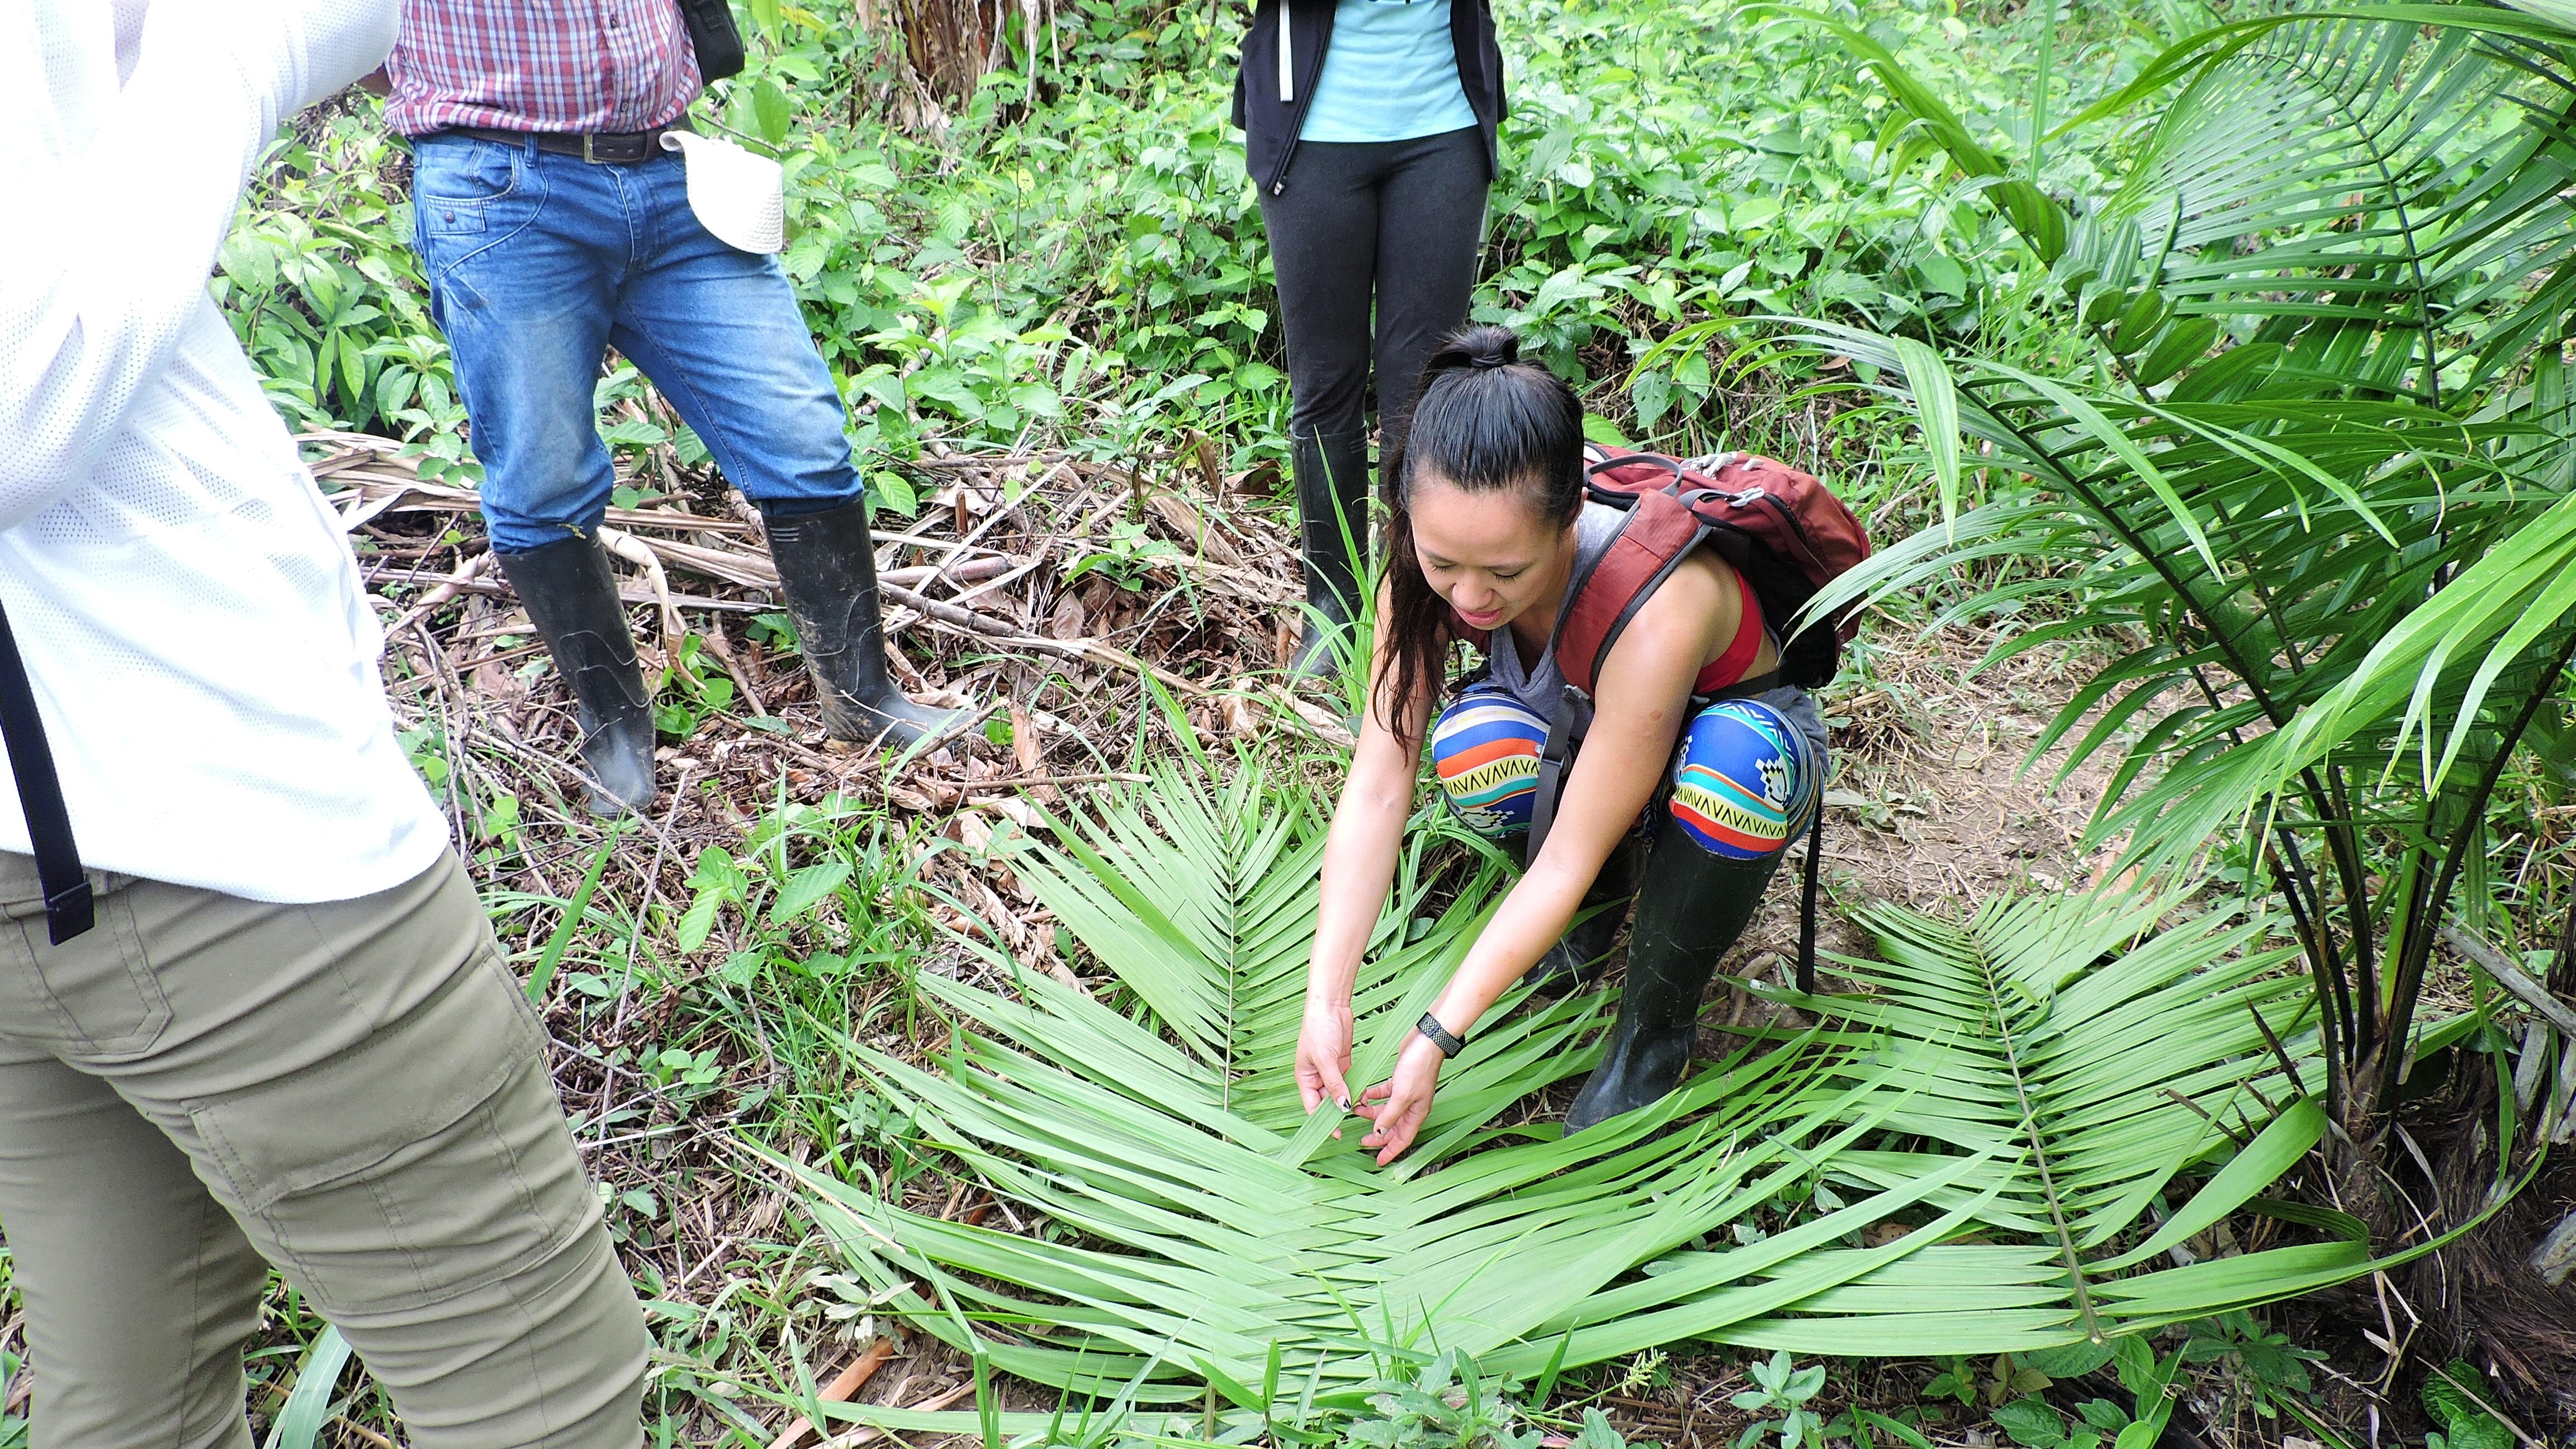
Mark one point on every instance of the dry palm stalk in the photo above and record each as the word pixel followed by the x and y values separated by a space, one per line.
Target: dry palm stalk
pixel 756 571
pixel 1197 528
pixel 643 555
pixel 751 570
pixel 637 594
pixel 971 571
pixel 844 1384
pixel 474 567
pixel 1008 636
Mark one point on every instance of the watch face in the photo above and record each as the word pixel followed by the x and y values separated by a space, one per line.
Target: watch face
pixel 1439 1035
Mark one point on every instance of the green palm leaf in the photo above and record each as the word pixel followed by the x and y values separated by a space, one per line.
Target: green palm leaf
pixel 2319 487
pixel 1962 1160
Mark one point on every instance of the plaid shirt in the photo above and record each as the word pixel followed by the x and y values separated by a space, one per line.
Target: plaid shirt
pixel 578 66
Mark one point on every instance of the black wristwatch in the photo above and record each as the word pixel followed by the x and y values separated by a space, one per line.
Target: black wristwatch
pixel 1450 1044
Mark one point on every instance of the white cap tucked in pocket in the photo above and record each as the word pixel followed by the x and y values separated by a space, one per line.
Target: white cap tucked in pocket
pixel 739 197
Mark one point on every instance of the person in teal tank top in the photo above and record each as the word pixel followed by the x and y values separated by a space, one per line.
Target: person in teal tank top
pixel 1369 128
pixel 1392 75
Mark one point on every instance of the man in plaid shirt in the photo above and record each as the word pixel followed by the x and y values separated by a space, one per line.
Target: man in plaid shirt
pixel 553 224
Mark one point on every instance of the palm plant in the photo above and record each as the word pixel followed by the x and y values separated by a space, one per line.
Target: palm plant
pixel 1971 1158
pixel 2318 488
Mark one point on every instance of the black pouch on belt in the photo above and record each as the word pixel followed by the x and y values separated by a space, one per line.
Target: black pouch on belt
pixel 717 39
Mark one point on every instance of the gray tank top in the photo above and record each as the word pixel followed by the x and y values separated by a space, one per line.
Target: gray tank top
pixel 1539 686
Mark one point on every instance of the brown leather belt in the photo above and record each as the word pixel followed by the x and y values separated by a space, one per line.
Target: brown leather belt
pixel 614 148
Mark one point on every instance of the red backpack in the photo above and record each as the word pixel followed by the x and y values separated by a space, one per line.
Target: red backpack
pixel 1778 527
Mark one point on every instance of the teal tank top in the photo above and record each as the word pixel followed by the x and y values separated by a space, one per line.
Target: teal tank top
pixel 1390 74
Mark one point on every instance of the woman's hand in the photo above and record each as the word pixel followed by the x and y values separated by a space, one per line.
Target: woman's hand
pixel 1359 866
pixel 1324 1055
pixel 1399 1104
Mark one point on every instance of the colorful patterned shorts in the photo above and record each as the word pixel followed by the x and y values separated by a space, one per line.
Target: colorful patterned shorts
pixel 1744 778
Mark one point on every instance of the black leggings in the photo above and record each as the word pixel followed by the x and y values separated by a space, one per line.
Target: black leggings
pixel 1402 218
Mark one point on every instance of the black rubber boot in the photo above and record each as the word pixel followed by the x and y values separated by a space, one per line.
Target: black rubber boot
pixel 1332 512
pixel 1691 905
pixel 572 599
pixel 827 565
pixel 1574 962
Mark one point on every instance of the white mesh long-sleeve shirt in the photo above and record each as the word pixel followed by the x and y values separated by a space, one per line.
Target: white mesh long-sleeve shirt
pixel 187 606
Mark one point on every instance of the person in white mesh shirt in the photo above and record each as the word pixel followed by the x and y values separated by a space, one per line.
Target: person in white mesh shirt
pixel 251 1012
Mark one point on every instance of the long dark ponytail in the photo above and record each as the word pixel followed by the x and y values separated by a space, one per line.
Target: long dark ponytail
pixel 1485 422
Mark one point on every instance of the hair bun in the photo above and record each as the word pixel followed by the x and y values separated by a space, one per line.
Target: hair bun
pixel 1482 347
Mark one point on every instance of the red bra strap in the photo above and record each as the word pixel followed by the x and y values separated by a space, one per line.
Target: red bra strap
pixel 1737 662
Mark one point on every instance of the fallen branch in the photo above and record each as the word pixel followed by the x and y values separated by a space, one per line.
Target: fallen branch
pixel 638 594
pixel 1001 632
pixel 970 571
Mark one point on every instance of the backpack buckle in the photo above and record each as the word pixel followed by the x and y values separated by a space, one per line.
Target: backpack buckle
pixel 1747 497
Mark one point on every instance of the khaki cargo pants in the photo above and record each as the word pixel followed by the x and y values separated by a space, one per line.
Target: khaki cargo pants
pixel 203 1085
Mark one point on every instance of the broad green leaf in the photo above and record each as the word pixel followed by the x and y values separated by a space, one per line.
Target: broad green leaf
pixel 1936 399
pixel 699 921
pixel 770 110
pixel 807 888
pixel 299 1421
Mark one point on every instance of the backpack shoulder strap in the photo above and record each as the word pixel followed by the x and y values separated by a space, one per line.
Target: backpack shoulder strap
pixel 1658 533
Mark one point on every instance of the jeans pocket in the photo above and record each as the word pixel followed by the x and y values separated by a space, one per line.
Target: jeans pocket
pixel 96 994
pixel 425 1161
pixel 455 184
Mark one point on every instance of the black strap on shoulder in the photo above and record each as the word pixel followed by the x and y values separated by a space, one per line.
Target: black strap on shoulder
pixel 68 909
pixel 1752 688
pixel 1552 757
pixel 714 36
pixel 1807 908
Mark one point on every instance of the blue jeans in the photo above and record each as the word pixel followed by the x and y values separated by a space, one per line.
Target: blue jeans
pixel 538 263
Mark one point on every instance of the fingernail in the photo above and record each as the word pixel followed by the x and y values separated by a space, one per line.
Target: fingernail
pixel 1346 1104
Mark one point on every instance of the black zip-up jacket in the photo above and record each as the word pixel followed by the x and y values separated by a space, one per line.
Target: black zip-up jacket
pixel 1271 119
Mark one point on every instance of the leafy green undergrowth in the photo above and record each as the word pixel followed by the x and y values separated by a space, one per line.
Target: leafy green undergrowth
pixel 1091 269
pixel 714 1015
pixel 1973 1157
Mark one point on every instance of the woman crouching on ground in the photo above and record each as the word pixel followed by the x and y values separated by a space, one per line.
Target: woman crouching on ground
pixel 1489 527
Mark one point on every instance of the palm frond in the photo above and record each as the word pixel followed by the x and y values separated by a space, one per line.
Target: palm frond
pixel 2405 185
pixel 1962 1160
pixel 2318 488
pixel 2344 621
